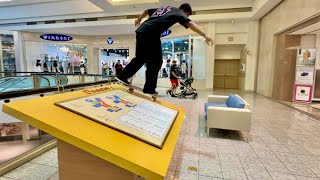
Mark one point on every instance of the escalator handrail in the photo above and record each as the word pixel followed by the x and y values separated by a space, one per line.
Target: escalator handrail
pixel 19 93
pixel 12 79
pixel 43 77
pixel 54 73
pixel 16 82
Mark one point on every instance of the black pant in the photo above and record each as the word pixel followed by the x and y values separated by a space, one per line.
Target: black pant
pixel 148 51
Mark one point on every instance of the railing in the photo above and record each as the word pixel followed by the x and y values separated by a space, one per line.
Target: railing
pixel 26 83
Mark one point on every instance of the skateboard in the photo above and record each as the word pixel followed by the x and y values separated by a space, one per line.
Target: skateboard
pixel 131 88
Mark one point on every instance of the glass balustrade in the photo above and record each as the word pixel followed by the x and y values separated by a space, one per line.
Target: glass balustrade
pixel 28 80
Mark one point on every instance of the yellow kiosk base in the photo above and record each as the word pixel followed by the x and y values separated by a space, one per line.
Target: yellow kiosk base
pixel 90 150
pixel 75 163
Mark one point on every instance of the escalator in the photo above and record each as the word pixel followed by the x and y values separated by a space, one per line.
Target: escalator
pixel 23 83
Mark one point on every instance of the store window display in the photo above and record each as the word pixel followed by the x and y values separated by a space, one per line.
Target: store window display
pixel 58 57
pixel 8 61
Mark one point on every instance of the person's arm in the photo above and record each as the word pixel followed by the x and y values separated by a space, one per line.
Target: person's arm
pixel 194 27
pixel 144 14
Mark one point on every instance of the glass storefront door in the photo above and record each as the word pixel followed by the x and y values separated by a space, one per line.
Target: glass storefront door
pixel 176 49
pixel 110 57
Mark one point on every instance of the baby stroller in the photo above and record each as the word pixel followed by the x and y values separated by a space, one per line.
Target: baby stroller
pixel 187 90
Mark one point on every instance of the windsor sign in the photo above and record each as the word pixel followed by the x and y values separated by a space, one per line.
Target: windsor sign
pixel 56 37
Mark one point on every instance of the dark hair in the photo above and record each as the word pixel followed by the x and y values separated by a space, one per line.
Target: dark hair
pixel 186 8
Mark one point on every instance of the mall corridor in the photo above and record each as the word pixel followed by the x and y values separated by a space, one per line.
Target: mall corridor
pixel 283 144
pixel 238 83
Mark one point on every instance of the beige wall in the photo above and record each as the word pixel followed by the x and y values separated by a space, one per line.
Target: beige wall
pixel 285 15
pixel 228 52
pixel 252 49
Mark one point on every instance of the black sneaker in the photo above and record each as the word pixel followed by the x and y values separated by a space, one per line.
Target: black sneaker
pixel 169 92
pixel 172 95
pixel 123 81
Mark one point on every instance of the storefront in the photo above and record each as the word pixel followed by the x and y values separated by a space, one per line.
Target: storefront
pixel 7 59
pixel 54 56
pixel 53 53
pixel 110 57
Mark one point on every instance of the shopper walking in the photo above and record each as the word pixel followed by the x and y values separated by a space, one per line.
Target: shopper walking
pixel 148 44
pixel 118 67
pixel 174 79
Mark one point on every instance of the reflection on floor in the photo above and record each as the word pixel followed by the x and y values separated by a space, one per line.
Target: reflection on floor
pixel 310 109
pixel 12 149
pixel 283 144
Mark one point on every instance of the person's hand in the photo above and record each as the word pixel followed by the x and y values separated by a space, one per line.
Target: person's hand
pixel 209 40
pixel 137 22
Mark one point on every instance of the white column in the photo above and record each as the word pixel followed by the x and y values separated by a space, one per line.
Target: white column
pixel 19 51
pixel 317 46
pixel 210 57
pixel 93 59
pixel 1 58
pixel 252 56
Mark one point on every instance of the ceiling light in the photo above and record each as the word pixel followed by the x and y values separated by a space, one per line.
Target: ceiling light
pixel 5 0
pixel 130 2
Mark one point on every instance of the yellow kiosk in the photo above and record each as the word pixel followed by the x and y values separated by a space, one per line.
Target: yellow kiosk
pixel 97 141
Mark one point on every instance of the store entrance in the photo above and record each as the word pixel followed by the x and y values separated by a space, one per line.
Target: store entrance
pixel 226 74
pixel 112 61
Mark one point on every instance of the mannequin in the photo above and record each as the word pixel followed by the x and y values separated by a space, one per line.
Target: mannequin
pixel 82 65
pixel 49 64
pixel 65 65
pixel 38 64
pixel 55 65
pixel 45 64
pixel 69 65
pixel 183 69
pixel 105 68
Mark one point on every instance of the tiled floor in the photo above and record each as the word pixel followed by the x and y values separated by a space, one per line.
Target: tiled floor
pixel 283 144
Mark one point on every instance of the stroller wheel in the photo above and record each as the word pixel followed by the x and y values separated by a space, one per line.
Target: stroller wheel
pixel 195 96
pixel 180 96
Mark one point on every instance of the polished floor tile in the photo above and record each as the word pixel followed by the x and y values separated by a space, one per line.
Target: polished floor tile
pixel 49 159
pixel 31 171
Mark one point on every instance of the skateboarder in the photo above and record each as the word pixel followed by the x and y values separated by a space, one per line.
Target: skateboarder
pixel 148 44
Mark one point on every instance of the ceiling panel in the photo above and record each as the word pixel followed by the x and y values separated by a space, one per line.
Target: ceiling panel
pixel 49 9
pixel 90 30
pixel 24 2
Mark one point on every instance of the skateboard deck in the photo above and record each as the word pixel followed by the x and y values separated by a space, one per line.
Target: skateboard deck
pixel 131 88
